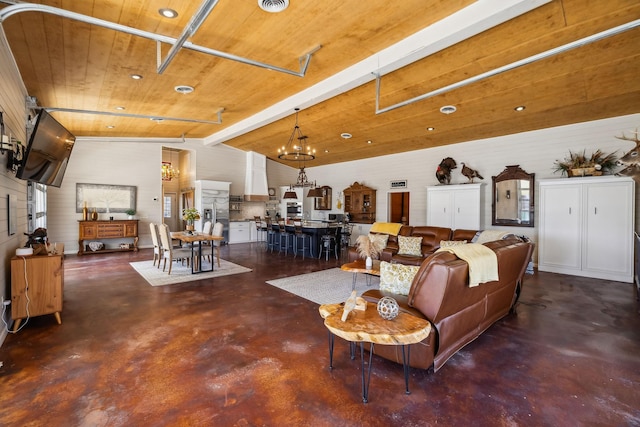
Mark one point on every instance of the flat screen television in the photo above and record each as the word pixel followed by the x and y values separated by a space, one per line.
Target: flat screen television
pixel 47 154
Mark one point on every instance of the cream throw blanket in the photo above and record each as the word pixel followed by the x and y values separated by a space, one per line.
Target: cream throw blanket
pixel 392 228
pixel 483 262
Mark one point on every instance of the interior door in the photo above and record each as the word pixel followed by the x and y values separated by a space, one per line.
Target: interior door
pixel 399 207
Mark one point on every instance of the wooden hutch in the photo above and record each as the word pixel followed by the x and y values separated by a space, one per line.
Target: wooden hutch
pixel 360 203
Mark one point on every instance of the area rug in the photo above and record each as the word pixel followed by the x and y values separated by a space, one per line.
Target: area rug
pixel 327 286
pixel 180 274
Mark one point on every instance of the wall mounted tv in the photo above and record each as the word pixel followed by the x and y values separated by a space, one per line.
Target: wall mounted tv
pixel 47 154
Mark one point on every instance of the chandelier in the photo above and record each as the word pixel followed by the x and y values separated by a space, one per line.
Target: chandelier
pixel 299 152
pixel 168 171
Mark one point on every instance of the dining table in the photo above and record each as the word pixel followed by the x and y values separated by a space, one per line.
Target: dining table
pixel 195 239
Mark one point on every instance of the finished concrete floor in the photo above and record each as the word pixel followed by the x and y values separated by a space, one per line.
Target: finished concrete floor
pixel 235 351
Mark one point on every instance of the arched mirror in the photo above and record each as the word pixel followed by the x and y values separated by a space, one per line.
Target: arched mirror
pixel 513 192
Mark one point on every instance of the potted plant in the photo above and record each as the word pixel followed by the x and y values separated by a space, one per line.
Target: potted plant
pixel 130 212
pixel 578 164
pixel 190 215
pixel 369 248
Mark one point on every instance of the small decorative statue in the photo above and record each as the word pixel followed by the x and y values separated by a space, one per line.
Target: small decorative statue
pixel 470 173
pixel 443 172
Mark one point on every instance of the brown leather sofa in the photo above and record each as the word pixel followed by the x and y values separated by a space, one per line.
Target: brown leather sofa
pixel 431 237
pixel 458 313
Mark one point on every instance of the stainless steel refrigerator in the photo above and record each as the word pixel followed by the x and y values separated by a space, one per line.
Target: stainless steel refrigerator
pixel 212 201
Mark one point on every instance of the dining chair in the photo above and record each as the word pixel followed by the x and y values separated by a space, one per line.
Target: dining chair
pixel 217 231
pixel 168 251
pixel 157 249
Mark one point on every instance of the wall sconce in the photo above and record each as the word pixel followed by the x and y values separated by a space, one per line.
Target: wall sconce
pixel 508 195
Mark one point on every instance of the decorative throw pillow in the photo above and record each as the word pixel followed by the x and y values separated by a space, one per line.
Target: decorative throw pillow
pixel 397 278
pixel 409 245
pixel 382 239
pixel 447 243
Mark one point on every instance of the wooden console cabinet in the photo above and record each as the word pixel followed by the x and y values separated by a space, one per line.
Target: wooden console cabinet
pixel 101 230
pixel 360 203
pixel 37 283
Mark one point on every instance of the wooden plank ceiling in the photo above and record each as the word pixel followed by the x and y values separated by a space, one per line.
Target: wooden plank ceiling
pixel 66 63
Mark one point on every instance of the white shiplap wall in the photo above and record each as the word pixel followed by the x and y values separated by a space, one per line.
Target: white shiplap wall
pixel 12 105
pixel 534 151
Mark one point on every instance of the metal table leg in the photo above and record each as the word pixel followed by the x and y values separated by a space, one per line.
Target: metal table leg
pixel 405 366
pixel 365 382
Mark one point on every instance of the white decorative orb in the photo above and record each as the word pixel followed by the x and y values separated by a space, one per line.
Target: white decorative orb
pixel 388 308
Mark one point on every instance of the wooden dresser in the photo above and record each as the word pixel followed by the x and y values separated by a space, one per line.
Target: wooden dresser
pixel 126 229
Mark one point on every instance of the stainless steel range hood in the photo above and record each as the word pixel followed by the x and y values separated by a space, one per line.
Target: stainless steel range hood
pixel 255 182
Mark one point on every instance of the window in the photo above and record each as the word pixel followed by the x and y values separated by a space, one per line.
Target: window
pixel 166 210
pixel 36 206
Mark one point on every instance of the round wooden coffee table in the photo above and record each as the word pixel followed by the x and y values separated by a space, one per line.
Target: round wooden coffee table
pixel 359 266
pixel 368 326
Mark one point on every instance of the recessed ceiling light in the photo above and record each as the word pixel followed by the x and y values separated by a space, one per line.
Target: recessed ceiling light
pixel 430 128
pixel 136 76
pixel 369 142
pixel 157 119
pixel 120 108
pixel 345 135
pixel 183 89
pixel 448 109
pixel 110 126
pixel 168 13
pixel 273 6
pixel 520 108
pixel 326 151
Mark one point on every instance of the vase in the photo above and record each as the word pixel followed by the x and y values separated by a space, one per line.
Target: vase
pixel 368 262
pixel 189 227
pixel 94 215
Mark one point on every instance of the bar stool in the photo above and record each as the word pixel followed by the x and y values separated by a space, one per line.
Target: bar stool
pixel 327 241
pixel 284 235
pixel 272 238
pixel 261 229
pixel 300 235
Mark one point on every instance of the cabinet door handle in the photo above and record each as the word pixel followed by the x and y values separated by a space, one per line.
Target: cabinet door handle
pixel 569 210
pixel 595 211
pixel 458 210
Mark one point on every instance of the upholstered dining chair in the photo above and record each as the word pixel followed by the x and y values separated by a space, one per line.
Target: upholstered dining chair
pixel 157 249
pixel 218 229
pixel 168 251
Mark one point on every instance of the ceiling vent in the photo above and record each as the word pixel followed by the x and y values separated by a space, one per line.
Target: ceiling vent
pixel 448 109
pixel 183 89
pixel 273 6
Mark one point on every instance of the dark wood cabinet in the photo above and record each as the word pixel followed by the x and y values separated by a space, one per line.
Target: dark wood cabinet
pixel 360 203
pixel 101 230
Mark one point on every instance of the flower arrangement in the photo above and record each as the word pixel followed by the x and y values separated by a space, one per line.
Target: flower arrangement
pixel 190 215
pixel 368 247
pixel 578 164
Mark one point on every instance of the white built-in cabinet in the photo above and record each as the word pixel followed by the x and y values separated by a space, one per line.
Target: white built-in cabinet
pixel 454 206
pixel 586 227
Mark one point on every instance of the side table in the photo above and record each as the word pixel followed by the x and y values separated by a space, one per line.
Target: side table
pixel 360 266
pixel 368 326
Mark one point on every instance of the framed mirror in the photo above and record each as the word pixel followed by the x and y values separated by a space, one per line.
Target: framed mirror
pixel 323 203
pixel 513 201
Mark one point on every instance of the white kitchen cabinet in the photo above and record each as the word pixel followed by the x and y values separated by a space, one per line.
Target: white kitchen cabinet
pixel 239 232
pixel 586 227
pixel 455 206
